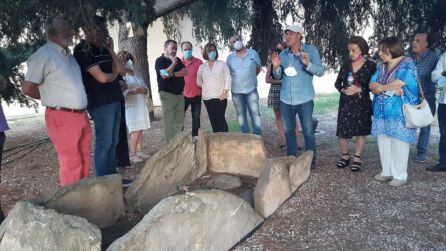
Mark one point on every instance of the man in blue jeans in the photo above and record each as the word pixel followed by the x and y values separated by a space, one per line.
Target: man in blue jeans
pixel 244 65
pixel 100 68
pixel 299 63
pixel 425 60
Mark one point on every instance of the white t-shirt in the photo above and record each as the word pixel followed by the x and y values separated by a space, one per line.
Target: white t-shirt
pixel 213 81
pixel 58 75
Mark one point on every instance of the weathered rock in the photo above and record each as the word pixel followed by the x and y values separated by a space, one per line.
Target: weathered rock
pixel 171 167
pixel 235 153
pixel 273 187
pixel 201 152
pixel 224 182
pixel 300 170
pixel 97 199
pixel 30 227
pixel 200 220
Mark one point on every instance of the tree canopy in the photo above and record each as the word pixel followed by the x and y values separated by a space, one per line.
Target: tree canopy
pixel 327 23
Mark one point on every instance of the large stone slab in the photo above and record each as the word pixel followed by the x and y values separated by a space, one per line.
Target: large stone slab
pixel 171 167
pixel 300 170
pixel 97 199
pixel 236 153
pixel 30 227
pixel 201 151
pixel 199 220
pixel 224 182
pixel 273 187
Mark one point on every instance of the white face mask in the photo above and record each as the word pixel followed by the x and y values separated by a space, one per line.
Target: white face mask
pixel 238 45
pixel 129 64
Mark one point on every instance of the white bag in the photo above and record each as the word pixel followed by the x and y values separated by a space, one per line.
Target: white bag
pixel 417 116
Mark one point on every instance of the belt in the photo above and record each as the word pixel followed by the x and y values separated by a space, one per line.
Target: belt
pixel 65 109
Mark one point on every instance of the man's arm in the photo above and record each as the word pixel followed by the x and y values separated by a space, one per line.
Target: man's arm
pixel 31 89
pixel 439 69
pixel 101 76
pixel 313 64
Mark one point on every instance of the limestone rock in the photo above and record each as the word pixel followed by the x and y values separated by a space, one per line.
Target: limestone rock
pixel 201 151
pixel 273 187
pixel 199 220
pixel 30 227
pixel 248 196
pixel 300 170
pixel 224 182
pixel 167 170
pixel 235 153
pixel 97 199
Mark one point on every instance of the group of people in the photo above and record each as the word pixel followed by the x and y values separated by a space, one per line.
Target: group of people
pixel 96 80
pixel 92 79
pixel 399 79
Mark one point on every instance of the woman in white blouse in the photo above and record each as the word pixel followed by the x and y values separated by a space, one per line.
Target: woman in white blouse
pixel 214 78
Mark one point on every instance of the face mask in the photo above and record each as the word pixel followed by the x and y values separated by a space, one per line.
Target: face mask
pixel 212 55
pixel 187 54
pixel 238 45
pixel 129 64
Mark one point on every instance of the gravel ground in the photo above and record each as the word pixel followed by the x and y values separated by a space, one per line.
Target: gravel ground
pixel 334 210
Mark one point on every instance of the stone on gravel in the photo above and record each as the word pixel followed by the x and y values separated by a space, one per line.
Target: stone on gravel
pixel 300 170
pixel 97 199
pixel 170 168
pixel 224 182
pixel 235 153
pixel 199 220
pixel 273 187
pixel 31 227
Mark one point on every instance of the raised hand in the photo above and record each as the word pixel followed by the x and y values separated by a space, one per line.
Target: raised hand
pixel 305 58
pixel 275 60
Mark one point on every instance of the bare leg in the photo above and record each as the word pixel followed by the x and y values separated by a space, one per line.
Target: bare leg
pixel 343 144
pixel 134 138
pixel 140 146
pixel 280 126
pixel 360 141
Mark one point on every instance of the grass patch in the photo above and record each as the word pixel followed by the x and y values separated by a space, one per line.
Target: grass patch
pixel 326 103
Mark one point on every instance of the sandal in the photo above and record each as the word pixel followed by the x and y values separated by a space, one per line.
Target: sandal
pixel 343 162
pixel 356 166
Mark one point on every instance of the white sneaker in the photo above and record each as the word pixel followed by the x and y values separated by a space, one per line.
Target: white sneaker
pixel 142 155
pixel 382 178
pixel 397 183
pixel 135 159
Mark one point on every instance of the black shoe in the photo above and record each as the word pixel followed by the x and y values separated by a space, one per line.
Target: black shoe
pixel 313 165
pixel 127 182
pixel 437 168
pixel 343 162
pixel 356 165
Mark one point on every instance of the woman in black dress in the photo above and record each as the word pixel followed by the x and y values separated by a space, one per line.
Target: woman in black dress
pixel 355 106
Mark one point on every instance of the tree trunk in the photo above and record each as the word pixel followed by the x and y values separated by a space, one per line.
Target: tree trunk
pixel 137 46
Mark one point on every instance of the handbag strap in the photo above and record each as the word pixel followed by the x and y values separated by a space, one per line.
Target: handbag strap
pixel 420 89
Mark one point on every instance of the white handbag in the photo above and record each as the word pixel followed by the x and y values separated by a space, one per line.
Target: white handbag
pixel 418 116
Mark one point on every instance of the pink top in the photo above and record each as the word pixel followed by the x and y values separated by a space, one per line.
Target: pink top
pixel 191 89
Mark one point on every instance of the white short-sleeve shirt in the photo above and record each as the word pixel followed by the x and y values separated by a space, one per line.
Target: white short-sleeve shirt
pixel 58 75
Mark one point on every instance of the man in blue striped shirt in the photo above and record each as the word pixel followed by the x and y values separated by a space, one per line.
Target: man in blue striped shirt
pixel 425 60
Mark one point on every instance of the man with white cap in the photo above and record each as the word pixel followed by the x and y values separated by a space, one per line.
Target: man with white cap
pixel 299 63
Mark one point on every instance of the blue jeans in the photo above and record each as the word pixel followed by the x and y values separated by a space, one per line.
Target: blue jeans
pixel 107 120
pixel 195 110
pixel 305 112
pixel 423 137
pixel 442 124
pixel 248 102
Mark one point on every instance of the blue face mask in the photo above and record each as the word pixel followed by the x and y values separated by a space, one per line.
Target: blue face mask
pixel 187 54
pixel 212 55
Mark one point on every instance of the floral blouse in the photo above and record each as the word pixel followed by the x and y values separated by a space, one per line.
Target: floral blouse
pixel 388 118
